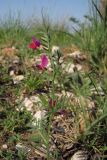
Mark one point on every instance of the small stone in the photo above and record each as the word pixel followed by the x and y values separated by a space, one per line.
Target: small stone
pixel 4 146
pixel 35 99
pixel 75 54
pixel 69 68
pixel 67 94
pixel 32 103
pixel 13 47
pixel 38 117
pixel 80 155
pixel 61 60
pixel 16 60
pixel 12 73
pixel 55 49
pixel 78 67
pixel 17 79
pixel 22 148
pixel 28 104
pixel 99 91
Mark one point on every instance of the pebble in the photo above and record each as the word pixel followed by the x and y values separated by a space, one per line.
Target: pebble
pixel 75 54
pixel 38 117
pixel 22 148
pixel 28 104
pixel 17 79
pixel 69 68
pixel 4 146
pixel 12 73
pixel 80 155
pixel 55 49
pixel 32 101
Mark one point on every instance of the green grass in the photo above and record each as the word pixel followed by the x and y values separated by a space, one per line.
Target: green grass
pixel 92 36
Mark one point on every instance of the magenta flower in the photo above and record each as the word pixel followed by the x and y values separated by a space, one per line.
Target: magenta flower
pixel 44 62
pixel 34 44
pixel 52 103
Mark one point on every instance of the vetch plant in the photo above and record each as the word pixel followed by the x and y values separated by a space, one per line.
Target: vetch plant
pixel 42 66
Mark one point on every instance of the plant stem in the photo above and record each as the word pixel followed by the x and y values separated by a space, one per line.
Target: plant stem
pixel 95 123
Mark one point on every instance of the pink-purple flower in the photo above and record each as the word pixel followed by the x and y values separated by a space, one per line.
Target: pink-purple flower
pixel 34 44
pixel 44 63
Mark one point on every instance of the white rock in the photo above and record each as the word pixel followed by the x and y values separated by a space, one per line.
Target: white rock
pixel 55 49
pixel 12 73
pixel 35 99
pixel 90 103
pixel 22 148
pixel 28 104
pixel 80 155
pixel 16 60
pixel 79 67
pixel 17 79
pixel 99 89
pixel 61 60
pixel 75 54
pixel 4 146
pixel 69 68
pixel 39 115
pixel 13 47
pixel 67 94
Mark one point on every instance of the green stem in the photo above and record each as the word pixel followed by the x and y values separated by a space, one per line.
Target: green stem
pixel 44 139
pixel 49 127
pixel 95 123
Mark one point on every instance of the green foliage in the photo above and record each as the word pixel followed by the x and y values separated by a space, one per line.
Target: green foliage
pixel 91 36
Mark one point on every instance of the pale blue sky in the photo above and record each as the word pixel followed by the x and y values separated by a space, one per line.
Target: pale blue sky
pixel 57 9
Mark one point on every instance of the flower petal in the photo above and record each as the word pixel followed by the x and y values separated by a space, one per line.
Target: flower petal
pixel 40 67
pixel 44 61
pixel 37 42
pixel 32 46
